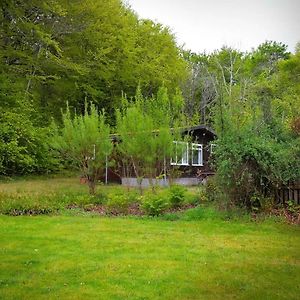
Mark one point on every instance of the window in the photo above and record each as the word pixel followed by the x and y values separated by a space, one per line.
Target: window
pixel 197 155
pixel 180 154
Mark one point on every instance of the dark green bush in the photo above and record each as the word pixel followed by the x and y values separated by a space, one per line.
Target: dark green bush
pixel 250 166
pixel 24 148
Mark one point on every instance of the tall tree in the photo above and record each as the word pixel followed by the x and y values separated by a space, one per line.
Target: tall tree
pixel 146 138
pixel 85 140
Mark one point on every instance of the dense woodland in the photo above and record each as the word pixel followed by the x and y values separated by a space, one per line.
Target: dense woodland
pixel 53 53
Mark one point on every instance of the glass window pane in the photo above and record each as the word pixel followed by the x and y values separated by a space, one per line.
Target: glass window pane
pixel 197 154
pixel 174 154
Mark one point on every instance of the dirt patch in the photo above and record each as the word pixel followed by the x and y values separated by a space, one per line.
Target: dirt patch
pixel 133 209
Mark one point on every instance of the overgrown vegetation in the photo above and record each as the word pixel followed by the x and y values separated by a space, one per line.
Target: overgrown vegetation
pixel 52 52
pixel 101 53
pixel 55 196
pixel 66 196
pixel 252 101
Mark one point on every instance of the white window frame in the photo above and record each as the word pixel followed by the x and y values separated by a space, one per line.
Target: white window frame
pixel 184 161
pixel 199 149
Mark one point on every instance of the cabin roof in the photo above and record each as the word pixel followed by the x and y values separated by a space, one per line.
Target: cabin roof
pixel 188 130
pixel 199 128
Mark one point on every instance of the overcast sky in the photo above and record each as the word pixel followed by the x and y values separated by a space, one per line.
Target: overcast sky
pixel 206 25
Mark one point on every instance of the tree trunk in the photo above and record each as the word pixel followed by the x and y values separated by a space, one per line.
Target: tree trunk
pixel 92 186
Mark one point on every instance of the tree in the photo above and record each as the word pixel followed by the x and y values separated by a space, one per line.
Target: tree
pixel 264 59
pixel 146 138
pixel 257 152
pixel 86 141
pixel 90 50
pixel 52 52
pixel 252 100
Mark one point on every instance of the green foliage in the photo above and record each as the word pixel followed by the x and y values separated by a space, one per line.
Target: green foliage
pixel 144 129
pixel 202 213
pixel 252 165
pixel 24 148
pixel 177 195
pixel 45 195
pixel 194 198
pixel 155 204
pixel 212 190
pixel 263 60
pixel 26 205
pixel 252 101
pixel 52 52
pixel 58 52
pixel 85 139
pixel 119 203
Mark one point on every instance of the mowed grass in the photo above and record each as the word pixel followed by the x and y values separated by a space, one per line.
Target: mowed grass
pixel 65 257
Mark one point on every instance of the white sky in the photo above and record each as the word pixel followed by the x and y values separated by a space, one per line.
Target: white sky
pixel 207 25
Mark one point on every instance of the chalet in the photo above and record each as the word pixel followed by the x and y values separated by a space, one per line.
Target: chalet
pixel 194 162
pixel 190 161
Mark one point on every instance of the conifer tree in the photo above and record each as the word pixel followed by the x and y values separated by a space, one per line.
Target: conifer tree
pixel 85 140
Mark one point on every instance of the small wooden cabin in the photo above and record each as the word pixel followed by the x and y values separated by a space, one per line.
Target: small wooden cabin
pixel 194 162
pixel 191 160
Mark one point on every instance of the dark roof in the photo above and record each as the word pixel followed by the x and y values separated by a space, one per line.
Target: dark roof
pixel 200 128
pixel 206 129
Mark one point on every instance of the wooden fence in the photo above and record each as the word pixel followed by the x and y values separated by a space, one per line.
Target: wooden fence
pixel 291 192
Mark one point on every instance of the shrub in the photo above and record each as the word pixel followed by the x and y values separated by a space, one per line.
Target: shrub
pixel 120 203
pixel 192 198
pixel 155 204
pixel 83 200
pixel 177 195
pixel 212 189
pixel 251 165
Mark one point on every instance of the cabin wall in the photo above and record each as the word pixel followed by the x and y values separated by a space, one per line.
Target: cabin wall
pixel 132 182
pixel 204 138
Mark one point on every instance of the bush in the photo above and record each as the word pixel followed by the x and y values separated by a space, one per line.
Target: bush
pixel 117 204
pixel 192 198
pixel 250 166
pixel 121 202
pixel 177 195
pixel 155 204
pixel 24 148
pixel 84 199
pixel 212 189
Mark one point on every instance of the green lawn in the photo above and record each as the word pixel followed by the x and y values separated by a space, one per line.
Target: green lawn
pixel 91 257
